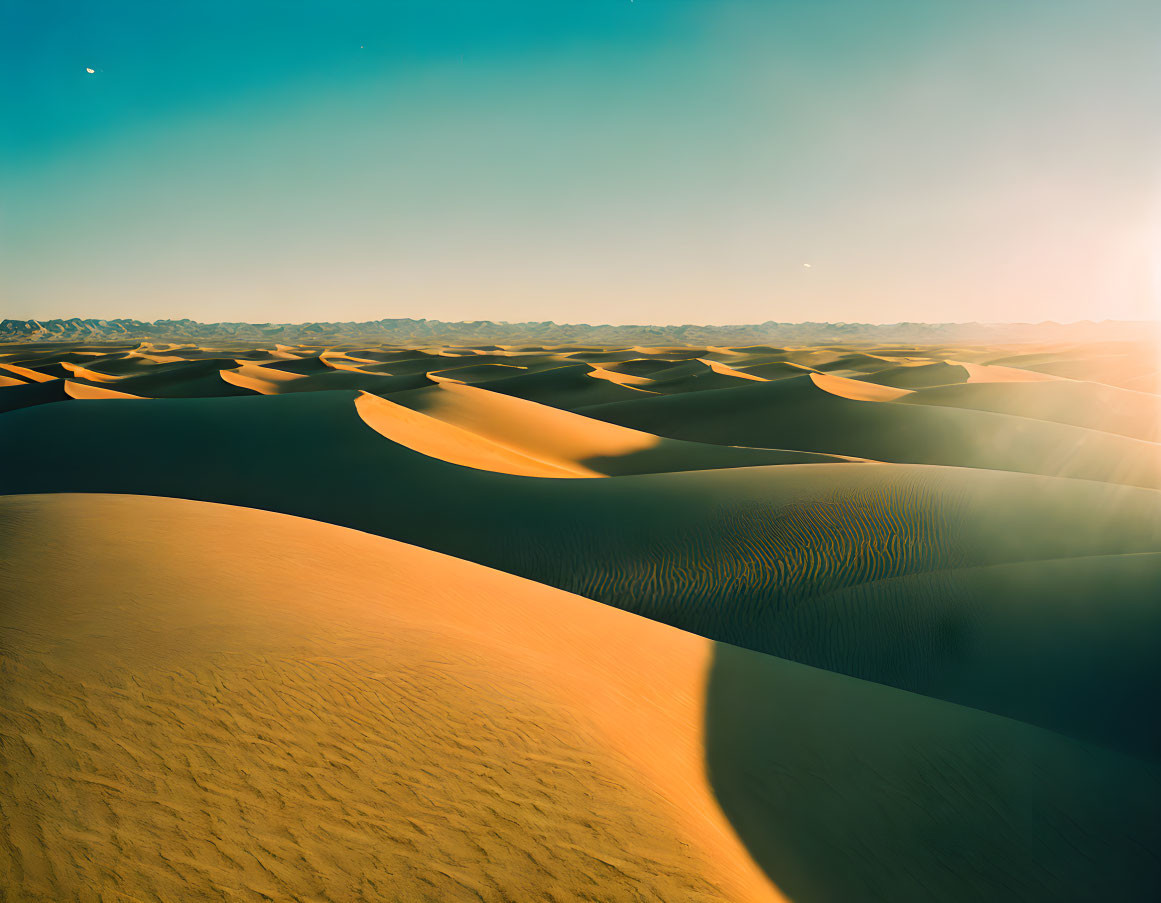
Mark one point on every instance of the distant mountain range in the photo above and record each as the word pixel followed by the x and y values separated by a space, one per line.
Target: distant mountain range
pixel 478 332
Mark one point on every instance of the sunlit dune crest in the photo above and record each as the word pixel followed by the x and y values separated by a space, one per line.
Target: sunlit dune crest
pixel 264 380
pixel 446 442
pixel 855 389
pixel 87 391
pixel 992 373
pixel 621 379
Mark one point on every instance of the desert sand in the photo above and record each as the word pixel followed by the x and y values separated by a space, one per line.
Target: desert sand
pixel 610 623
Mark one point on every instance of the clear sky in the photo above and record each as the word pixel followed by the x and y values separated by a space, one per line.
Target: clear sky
pixel 602 161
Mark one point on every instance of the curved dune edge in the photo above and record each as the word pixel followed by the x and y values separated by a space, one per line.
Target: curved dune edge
pixel 621 379
pixel 485 430
pixel 855 389
pixel 84 391
pixel 726 370
pixel 25 374
pixel 996 373
pixel 549 434
pixel 288 704
pixel 91 375
pixel 438 439
pixel 263 380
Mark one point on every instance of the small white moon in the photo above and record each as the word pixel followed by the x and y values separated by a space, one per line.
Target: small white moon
pixel 90 71
pixel 808 265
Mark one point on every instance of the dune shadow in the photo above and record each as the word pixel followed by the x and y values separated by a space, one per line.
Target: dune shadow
pixel 844 790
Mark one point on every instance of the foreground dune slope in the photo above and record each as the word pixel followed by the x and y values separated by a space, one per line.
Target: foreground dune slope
pixel 208 702
pixel 735 555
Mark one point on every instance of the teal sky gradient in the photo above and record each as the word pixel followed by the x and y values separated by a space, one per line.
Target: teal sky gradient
pixel 600 161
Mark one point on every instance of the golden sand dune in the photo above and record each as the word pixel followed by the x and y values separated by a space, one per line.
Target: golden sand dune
pixel 88 374
pixel 88 391
pixel 448 442
pixel 263 380
pixel 571 444
pixel 290 710
pixel 207 702
pixel 619 377
pixel 24 374
pixel 855 389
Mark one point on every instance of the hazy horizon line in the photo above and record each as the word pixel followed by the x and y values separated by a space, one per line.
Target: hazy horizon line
pixel 1148 320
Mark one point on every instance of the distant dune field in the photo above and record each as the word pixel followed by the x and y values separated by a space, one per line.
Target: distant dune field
pixel 351 622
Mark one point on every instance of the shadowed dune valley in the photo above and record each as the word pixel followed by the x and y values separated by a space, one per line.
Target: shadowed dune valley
pixel 349 620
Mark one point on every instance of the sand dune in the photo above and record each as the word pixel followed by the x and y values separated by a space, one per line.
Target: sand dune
pixel 620 378
pixel 919 376
pixel 24 374
pixel 802 413
pixel 774 369
pixel 191 379
pixel 447 442
pixel 478 373
pixel 263 380
pixel 697 375
pixel 1084 404
pixel 27 394
pixel 993 373
pixel 567 386
pixel 1124 365
pixel 87 391
pixel 856 390
pixel 288 709
pixel 578 445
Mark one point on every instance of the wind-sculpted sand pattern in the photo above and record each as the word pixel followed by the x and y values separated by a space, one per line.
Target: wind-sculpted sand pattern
pixel 208 702
pixel 323 719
